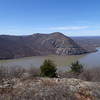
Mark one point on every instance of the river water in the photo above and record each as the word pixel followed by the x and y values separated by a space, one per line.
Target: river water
pixel 89 60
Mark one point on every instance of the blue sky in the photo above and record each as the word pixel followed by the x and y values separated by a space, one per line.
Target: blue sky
pixel 72 17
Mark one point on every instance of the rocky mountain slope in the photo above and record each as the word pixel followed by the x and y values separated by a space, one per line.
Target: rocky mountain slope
pixel 49 89
pixel 38 44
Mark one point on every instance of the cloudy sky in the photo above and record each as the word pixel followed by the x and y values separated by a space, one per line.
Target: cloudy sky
pixel 72 17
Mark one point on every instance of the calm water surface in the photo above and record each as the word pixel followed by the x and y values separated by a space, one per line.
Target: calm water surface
pixel 89 60
pixel 36 61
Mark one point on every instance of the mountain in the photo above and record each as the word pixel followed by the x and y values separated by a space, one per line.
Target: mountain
pixel 38 45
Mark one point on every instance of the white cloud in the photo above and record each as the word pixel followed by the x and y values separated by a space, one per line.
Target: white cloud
pixel 69 28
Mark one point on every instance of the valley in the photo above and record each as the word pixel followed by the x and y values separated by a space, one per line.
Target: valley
pixel 62 61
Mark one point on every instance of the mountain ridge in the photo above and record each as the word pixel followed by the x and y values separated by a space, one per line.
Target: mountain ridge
pixel 38 45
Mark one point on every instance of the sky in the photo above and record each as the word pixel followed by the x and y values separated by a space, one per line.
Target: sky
pixel 71 17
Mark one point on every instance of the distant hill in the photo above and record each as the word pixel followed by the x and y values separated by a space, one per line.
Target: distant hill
pixel 88 42
pixel 38 45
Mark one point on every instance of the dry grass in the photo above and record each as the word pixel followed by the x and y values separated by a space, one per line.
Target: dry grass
pixel 48 83
pixel 33 72
pixel 42 89
pixel 35 88
pixel 91 74
pixel 18 72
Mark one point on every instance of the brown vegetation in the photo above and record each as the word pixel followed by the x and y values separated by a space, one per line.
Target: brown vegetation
pixel 49 89
pixel 26 84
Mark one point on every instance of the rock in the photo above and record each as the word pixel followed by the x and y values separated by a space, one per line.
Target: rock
pixel 52 89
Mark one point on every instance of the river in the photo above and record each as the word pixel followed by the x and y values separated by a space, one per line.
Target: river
pixel 89 60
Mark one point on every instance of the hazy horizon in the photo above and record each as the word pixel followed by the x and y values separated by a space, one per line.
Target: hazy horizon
pixel 52 32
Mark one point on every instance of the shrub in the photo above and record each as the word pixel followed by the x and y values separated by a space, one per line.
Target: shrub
pixel 11 72
pixel 76 67
pixel 34 72
pixel 16 72
pixel 48 69
pixel 91 74
pixel 3 72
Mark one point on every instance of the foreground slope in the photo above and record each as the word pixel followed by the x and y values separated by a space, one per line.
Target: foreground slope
pixel 38 44
pixel 49 89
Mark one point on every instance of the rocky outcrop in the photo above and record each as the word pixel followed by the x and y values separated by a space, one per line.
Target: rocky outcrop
pixel 38 44
pixel 49 89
